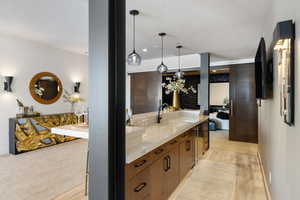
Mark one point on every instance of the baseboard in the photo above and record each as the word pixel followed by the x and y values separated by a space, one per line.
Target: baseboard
pixel 269 197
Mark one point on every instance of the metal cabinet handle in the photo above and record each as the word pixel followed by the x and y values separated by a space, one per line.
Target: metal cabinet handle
pixel 166 163
pixel 140 187
pixel 140 164
pixel 169 163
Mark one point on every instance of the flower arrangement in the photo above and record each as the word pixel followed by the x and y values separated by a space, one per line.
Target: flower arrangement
pixel 177 85
pixel 71 98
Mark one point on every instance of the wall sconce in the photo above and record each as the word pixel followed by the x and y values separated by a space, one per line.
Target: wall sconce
pixel 77 87
pixel 7 83
pixel 284 59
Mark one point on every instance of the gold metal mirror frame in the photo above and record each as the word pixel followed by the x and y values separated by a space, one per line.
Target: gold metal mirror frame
pixel 32 88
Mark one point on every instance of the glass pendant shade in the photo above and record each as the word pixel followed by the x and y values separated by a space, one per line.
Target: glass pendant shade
pixel 179 74
pixel 162 68
pixel 134 59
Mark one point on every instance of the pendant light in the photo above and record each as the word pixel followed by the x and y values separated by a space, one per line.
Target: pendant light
pixel 134 58
pixel 162 67
pixel 179 74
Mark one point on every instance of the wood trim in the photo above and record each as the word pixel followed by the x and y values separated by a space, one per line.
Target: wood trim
pixel 32 91
pixel 268 194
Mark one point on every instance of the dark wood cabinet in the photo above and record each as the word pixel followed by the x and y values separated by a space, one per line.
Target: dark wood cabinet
pixel 204 132
pixel 158 178
pixel 187 155
pixel 139 187
pixel 156 175
pixel 172 173
pixel 201 140
pixel 164 175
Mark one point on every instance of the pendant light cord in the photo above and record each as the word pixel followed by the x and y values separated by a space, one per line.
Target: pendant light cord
pixel 179 58
pixel 134 33
pixel 162 49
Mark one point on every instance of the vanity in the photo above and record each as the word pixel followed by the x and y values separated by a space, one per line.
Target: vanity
pixel 158 155
pixel 169 150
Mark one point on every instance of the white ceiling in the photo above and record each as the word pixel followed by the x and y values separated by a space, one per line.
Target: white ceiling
pixel 59 23
pixel 228 29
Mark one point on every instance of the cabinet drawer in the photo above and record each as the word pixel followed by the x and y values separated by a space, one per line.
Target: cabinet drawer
pixel 173 143
pixel 139 187
pixel 159 152
pixel 138 165
pixel 183 137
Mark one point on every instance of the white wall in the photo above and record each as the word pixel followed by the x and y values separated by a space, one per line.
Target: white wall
pixel 23 59
pixel 218 92
pixel 279 144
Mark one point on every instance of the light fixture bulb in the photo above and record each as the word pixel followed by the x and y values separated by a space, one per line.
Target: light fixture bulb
pixel 162 68
pixel 134 59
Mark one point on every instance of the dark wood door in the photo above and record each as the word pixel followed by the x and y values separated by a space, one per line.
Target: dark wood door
pixel 243 110
pixel 146 91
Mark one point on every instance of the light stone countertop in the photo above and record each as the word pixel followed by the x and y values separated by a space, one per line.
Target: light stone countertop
pixel 147 135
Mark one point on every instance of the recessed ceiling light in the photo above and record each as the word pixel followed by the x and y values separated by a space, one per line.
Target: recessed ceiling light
pixel 145 50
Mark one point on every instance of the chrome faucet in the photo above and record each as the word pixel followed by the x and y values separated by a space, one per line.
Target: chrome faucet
pixel 160 108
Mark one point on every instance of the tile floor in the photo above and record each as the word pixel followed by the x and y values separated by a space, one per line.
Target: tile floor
pixel 43 174
pixel 229 171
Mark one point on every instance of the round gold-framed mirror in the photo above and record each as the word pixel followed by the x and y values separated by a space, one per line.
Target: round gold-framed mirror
pixel 45 88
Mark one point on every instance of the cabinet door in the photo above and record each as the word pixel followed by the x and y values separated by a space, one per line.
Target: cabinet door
pixel 187 156
pixel 190 148
pixel 173 170
pixel 158 179
pixel 199 148
pixel 205 133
